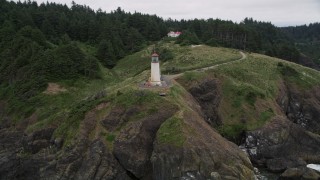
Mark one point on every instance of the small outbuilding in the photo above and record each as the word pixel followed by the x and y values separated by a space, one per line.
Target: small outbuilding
pixel 174 34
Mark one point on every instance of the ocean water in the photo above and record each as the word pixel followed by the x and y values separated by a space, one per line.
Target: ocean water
pixel 263 174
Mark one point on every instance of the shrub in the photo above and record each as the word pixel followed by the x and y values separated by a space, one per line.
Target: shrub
pixel 171 132
pixel 232 132
pixel 110 137
pixel 266 115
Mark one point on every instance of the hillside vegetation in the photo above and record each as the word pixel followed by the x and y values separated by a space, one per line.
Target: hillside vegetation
pixel 307 39
pixel 49 42
pixel 72 104
pixel 113 110
pixel 249 90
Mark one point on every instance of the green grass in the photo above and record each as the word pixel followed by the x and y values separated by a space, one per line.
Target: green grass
pixel 136 97
pixel 256 73
pixel 17 108
pixel 175 92
pixel 183 58
pixel 68 128
pixel 233 131
pixel 266 115
pixel 171 132
pixel 189 58
pixel 88 49
pixel 243 84
pixel 244 119
pixel 192 76
pixel 249 89
pixel 134 64
pixel 110 137
pixel 297 76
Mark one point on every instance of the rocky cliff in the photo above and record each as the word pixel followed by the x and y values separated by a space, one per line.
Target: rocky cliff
pixel 289 139
pixel 127 142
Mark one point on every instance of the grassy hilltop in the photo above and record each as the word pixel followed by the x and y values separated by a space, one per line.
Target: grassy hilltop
pixel 249 88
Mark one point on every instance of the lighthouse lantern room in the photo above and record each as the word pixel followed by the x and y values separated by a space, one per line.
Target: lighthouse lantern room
pixel 155 70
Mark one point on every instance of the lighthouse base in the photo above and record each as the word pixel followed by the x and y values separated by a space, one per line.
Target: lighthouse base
pixel 156 83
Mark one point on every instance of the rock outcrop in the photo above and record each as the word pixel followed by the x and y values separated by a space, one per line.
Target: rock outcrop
pixel 282 144
pixel 134 145
pixel 20 155
pixel 290 140
pixel 208 95
pixel 300 173
pixel 135 152
pixel 301 107
pixel 204 155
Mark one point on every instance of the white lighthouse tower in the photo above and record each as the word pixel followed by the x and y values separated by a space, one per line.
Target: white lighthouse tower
pixel 155 70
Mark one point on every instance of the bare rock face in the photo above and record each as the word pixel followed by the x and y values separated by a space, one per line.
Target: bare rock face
pixel 86 160
pixel 281 164
pixel 39 155
pixel 291 140
pixel 204 155
pixel 134 145
pixel 301 107
pixel 300 173
pixel 114 119
pixel 20 155
pixel 136 152
pixel 282 144
pixel 38 140
pixel 208 95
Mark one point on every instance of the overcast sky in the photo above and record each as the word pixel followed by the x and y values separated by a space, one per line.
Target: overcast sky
pixel 279 12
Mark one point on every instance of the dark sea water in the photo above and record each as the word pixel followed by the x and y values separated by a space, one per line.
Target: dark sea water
pixel 266 175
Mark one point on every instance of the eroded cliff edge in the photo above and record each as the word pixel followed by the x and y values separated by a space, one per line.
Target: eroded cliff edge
pixel 288 140
pixel 165 140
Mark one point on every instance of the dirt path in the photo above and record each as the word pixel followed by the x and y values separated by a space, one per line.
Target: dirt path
pixel 168 78
pixel 54 88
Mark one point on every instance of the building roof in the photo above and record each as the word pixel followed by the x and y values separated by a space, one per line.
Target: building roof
pixel 171 32
pixel 155 55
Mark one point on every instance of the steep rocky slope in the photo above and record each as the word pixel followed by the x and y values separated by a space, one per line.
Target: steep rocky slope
pixel 125 132
pixel 139 150
pixel 273 112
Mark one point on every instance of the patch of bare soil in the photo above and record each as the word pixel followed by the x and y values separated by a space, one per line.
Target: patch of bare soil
pixel 54 88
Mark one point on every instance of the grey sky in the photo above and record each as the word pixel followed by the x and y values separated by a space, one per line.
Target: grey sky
pixel 279 12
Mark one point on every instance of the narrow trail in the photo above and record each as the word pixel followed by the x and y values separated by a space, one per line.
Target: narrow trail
pixel 168 78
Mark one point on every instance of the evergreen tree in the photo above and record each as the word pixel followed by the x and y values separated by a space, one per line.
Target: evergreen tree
pixel 106 53
pixel 188 38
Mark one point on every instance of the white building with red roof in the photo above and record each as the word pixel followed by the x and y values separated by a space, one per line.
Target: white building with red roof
pixel 174 34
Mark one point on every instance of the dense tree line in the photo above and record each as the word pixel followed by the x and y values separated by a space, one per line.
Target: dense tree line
pixel 126 32
pixel 39 42
pixel 307 38
pixel 250 35
pixel 304 33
